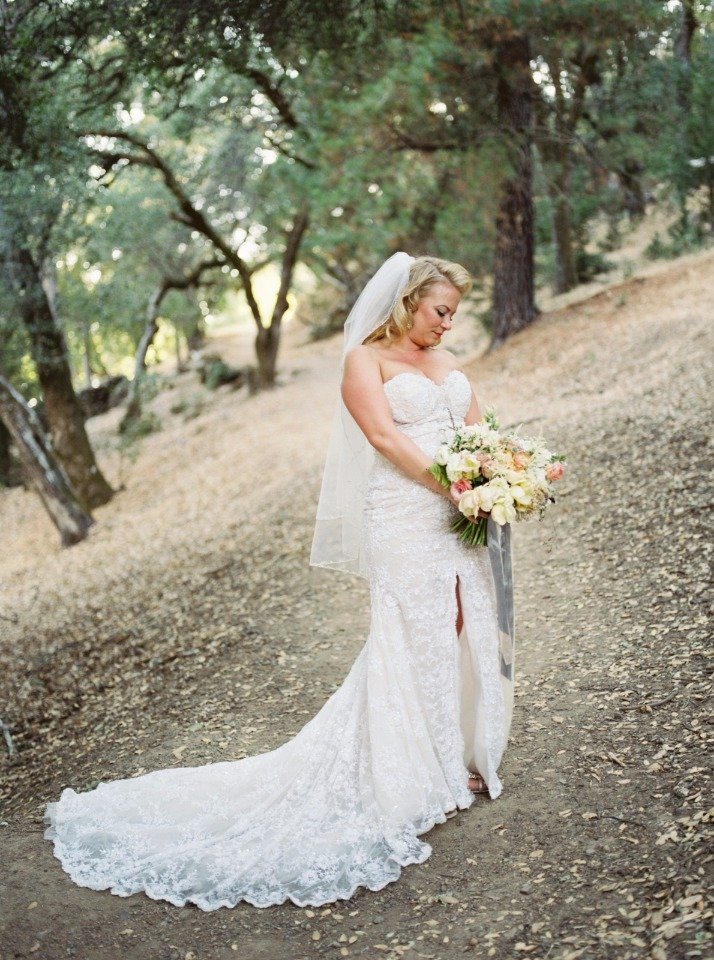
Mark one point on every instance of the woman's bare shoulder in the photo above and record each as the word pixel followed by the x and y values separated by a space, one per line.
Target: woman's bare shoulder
pixel 363 360
pixel 362 354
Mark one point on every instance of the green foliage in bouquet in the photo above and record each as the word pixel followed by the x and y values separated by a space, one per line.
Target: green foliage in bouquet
pixel 438 470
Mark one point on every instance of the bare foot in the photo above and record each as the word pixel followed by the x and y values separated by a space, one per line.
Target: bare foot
pixel 477 784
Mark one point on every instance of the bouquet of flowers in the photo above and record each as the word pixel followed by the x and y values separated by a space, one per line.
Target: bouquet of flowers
pixel 503 474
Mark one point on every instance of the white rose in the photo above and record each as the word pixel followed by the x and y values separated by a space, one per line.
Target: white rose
pixel 522 493
pixel 442 454
pixel 470 463
pixel 503 512
pixel 454 467
pixel 470 502
pixel 488 494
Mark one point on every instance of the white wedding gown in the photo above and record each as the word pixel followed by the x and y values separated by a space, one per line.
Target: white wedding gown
pixel 340 805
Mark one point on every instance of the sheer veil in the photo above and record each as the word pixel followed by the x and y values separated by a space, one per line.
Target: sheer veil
pixel 337 539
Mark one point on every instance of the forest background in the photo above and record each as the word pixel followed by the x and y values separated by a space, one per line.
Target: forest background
pixel 191 197
pixel 165 168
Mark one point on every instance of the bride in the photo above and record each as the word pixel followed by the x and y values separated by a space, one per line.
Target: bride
pixel 420 723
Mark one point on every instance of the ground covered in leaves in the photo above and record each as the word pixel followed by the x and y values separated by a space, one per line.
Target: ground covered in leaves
pixel 189 628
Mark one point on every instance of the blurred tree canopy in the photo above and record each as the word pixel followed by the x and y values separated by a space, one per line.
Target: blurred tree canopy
pixel 154 156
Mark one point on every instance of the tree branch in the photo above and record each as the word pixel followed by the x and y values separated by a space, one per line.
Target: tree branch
pixel 275 95
pixel 190 215
pixel 308 164
pixel 294 238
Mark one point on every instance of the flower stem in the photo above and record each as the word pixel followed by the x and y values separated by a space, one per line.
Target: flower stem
pixel 473 533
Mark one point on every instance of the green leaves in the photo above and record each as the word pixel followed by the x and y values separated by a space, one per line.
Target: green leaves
pixel 491 418
pixel 438 471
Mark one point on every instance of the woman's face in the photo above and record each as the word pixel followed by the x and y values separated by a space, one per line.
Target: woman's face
pixel 432 318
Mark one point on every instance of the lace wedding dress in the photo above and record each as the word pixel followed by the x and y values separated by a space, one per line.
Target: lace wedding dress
pixel 343 803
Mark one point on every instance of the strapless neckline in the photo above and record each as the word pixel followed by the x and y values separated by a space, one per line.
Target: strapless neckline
pixel 423 376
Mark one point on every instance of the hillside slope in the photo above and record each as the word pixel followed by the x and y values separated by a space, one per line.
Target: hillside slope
pixel 189 628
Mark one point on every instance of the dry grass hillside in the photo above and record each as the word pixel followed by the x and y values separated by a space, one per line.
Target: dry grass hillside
pixel 220 462
pixel 188 627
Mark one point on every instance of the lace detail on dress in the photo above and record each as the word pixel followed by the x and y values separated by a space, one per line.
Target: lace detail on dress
pixel 343 803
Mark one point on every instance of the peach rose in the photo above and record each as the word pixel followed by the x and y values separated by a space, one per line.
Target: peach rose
pixel 488 465
pixel 554 471
pixel 459 486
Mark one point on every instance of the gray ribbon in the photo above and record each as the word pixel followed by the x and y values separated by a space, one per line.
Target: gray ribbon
pixel 499 549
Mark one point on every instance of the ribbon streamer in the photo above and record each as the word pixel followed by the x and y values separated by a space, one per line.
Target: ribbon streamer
pixel 499 549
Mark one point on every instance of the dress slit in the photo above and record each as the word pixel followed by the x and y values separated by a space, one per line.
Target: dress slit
pixel 459 608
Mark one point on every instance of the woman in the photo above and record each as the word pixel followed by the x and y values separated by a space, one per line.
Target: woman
pixel 421 720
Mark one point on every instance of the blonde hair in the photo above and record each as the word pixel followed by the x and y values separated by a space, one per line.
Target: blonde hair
pixel 424 273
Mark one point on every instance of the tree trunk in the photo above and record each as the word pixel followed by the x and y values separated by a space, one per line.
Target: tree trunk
pixel 87 355
pixel 633 197
pixel 45 473
pixel 5 456
pixel 180 365
pixel 150 331
pixel 267 342
pixel 683 54
pixel 554 134
pixel 566 274
pixel 133 409
pixel 186 282
pixel 196 336
pixel 513 299
pixel 64 413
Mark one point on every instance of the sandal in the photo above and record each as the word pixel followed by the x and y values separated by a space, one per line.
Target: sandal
pixel 480 783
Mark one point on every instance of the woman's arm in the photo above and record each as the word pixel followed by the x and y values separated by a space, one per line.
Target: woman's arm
pixel 364 397
pixel 473 414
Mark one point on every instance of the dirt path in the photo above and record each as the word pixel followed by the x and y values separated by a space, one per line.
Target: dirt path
pixel 192 636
